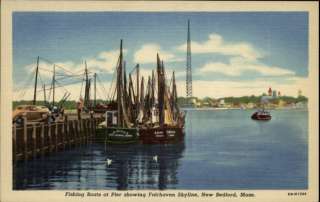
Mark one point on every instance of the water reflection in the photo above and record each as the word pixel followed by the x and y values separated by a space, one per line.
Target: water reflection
pixel 131 167
pixel 143 166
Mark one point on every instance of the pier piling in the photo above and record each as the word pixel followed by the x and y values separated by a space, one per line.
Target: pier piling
pixel 33 139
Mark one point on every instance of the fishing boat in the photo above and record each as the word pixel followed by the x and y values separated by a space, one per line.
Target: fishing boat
pixel 118 127
pixel 164 122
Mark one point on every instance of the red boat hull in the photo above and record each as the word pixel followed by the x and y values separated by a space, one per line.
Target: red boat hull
pixel 261 117
pixel 161 135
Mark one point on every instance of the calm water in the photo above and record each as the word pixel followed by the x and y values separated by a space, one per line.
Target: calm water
pixel 223 149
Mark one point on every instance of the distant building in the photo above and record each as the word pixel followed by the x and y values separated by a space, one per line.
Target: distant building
pixel 279 94
pixel 274 93
pixel 282 103
pixel 302 105
pixel 270 91
pixel 251 105
pixel 299 93
pixel 221 103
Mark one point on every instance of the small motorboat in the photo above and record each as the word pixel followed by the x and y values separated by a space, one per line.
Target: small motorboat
pixel 261 115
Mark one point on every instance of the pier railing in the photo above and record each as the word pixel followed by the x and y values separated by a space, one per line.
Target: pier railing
pixel 35 139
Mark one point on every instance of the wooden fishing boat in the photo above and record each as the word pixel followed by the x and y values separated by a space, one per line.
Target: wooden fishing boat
pixel 140 115
pixel 164 123
pixel 118 127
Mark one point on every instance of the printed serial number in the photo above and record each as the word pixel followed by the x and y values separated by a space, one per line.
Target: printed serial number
pixel 297 193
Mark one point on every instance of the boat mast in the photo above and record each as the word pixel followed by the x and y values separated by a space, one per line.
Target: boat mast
pixel 53 83
pixel 175 108
pixel 44 93
pixel 137 96
pixel 152 89
pixel 119 81
pixel 95 89
pixel 35 83
pixel 142 95
pixel 87 87
pixel 160 91
pixel 131 90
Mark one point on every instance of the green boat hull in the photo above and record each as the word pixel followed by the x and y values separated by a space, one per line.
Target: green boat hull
pixel 114 135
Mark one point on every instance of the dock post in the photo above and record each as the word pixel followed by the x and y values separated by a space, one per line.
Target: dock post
pixel 75 137
pixel 25 137
pixel 94 127
pixel 14 141
pixel 79 131
pixel 87 131
pixel 67 132
pixel 42 146
pixel 63 133
pixel 49 137
pixel 56 137
pixel 34 140
pixel 90 125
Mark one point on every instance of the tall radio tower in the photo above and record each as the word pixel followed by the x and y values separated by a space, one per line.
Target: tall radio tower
pixel 189 72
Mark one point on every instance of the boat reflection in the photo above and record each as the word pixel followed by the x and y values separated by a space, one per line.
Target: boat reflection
pixel 143 166
pixel 116 167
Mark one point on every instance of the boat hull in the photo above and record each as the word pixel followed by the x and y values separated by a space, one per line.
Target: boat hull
pixel 114 135
pixel 260 117
pixel 161 135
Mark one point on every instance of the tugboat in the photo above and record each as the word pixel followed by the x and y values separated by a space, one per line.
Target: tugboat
pixel 261 115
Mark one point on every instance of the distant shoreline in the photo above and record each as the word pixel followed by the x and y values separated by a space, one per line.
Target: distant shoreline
pixel 220 109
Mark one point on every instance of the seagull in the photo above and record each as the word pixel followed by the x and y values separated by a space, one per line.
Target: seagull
pixel 155 158
pixel 109 161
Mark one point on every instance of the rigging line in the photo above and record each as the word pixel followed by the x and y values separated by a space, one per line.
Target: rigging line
pixel 62 86
pixel 83 79
pixel 51 86
pixel 70 76
pixel 100 90
pixel 100 95
pixel 113 76
pixel 57 86
pixel 40 78
pixel 47 60
pixel 69 79
pixel 104 92
pixel 44 69
pixel 22 91
pixel 26 83
pixel 133 69
pixel 102 86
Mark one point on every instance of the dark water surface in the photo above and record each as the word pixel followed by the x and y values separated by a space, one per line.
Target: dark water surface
pixel 223 149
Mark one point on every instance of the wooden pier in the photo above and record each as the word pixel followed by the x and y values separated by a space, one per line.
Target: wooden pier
pixel 36 139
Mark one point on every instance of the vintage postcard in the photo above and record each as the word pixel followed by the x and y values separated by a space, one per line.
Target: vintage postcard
pixel 137 100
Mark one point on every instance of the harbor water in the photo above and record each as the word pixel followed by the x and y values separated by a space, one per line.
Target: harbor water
pixel 223 149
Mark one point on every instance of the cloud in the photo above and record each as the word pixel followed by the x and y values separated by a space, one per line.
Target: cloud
pixel 105 62
pixel 148 54
pixel 238 66
pixel 216 44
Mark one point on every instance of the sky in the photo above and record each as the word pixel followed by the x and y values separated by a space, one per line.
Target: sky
pixel 233 53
